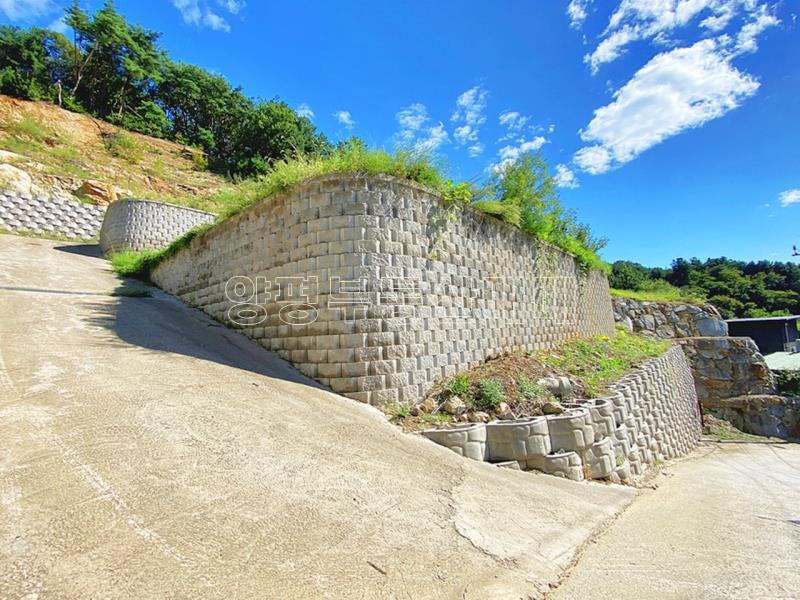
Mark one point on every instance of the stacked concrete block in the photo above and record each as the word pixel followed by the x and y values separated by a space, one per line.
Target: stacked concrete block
pixel 50 216
pixel 652 416
pixel 524 440
pixel 600 459
pixel 146 225
pixel 564 464
pixel 468 440
pixel 572 431
pixel 427 295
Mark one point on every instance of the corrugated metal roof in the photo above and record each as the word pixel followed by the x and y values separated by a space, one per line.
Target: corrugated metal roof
pixel 755 319
pixel 783 361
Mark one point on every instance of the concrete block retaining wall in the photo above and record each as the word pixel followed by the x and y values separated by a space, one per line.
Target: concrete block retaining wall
pixel 54 216
pixel 146 224
pixel 369 285
pixel 653 415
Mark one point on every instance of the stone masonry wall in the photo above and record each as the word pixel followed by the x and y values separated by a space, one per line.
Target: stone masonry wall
pixel 370 285
pixel 652 415
pixel 725 367
pixel 146 225
pixel 54 216
pixel 668 320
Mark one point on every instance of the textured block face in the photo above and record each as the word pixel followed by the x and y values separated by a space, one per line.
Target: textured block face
pixel 466 440
pixel 146 225
pixel 409 291
pixel 521 440
pixel 66 218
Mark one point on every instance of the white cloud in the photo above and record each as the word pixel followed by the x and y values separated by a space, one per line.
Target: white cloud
pixel 416 133
pixel 232 6
pixel 436 136
pixel 22 10
pixel 59 25
pixel 565 178
pixel 468 115
pixel 635 20
pixel 475 149
pixel 509 154
pixel 200 15
pixel 676 90
pixel 789 197
pixel 345 118
pixel 593 159
pixel 746 38
pixel 304 110
pixel 411 119
pixel 577 12
pixel 513 120
pixel 213 21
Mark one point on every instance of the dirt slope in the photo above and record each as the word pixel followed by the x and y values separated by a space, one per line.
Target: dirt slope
pixel 60 150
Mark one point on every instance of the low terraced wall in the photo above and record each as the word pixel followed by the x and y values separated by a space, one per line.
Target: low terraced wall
pixel 371 286
pixel 146 224
pixel 54 216
pixel 653 415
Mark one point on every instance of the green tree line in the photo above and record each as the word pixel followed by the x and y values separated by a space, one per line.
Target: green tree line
pixel 736 288
pixel 116 71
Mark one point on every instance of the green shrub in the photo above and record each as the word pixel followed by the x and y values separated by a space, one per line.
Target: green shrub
pixel 533 391
pixel 199 160
pixel 30 128
pixel 600 360
pixel 459 385
pixel 130 263
pixel 123 145
pixel 788 382
pixel 490 393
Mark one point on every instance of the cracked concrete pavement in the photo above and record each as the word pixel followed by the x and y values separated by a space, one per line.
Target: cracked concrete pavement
pixel 149 452
pixel 722 524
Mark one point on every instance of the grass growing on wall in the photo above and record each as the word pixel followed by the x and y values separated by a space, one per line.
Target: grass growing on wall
pixel 521 194
pixel 601 360
pixel 661 293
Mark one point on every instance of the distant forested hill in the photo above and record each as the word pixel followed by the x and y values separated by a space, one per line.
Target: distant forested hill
pixel 736 288
pixel 116 70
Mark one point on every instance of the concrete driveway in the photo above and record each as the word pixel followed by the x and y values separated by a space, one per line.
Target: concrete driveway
pixel 147 452
pixel 724 524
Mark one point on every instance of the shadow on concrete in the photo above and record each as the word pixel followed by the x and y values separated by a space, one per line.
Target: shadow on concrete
pixel 92 250
pixel 162 323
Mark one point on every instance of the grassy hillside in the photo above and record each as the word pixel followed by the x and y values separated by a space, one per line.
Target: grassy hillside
pixel 61 149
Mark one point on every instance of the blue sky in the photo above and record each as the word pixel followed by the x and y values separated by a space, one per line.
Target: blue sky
pixel 673 125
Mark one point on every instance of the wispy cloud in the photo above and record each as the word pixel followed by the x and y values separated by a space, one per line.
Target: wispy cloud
pixel 468 117
pixel 510 153
pixel 200 14
pixel 635 20
pixel 24 10
pixel 789 197
pixel 675 91
pixel 345 118
pixel 565 177
pixel 577 11
pixel 232 6
pixel 304 110
pixel 415 131
pixel 58 25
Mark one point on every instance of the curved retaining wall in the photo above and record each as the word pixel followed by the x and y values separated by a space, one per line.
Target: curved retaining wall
pixel 369 285
pixel 42 215
pixel 146 224
pixel 653 415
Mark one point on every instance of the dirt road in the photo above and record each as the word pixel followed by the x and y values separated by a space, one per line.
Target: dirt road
pixel 724 524
pixel 147 452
